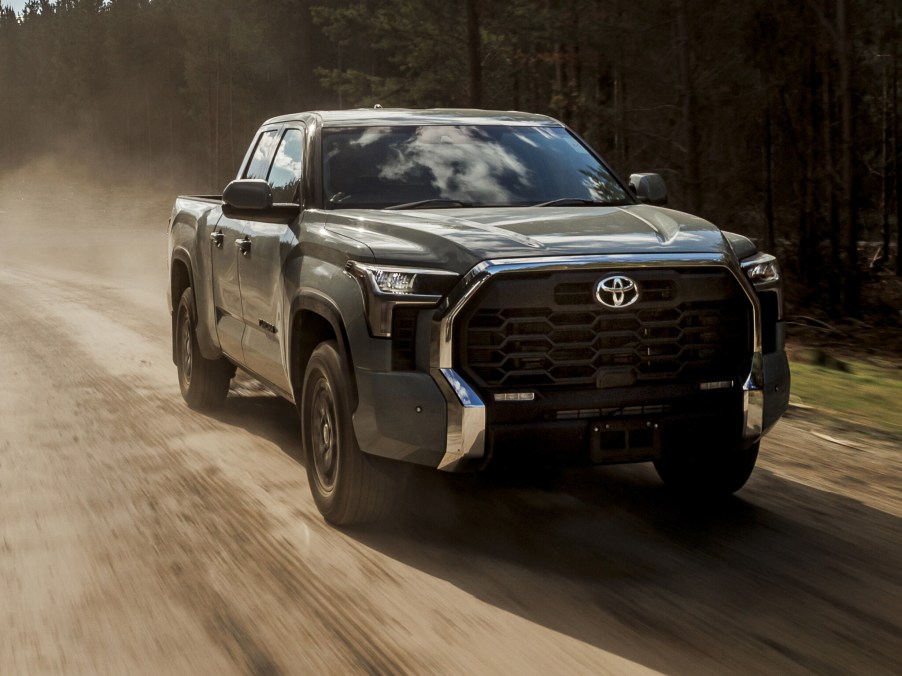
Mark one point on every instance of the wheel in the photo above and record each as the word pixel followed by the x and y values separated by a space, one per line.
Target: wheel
pixel 708 474
pixel 204 382
pixel 348 485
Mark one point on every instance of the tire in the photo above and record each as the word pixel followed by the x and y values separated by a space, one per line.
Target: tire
pixel 204 382
pixel 708 475
pixel 348 486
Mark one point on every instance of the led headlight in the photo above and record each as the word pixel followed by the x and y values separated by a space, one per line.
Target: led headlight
pixel 762 270
pixel 385 286
pixel 393 281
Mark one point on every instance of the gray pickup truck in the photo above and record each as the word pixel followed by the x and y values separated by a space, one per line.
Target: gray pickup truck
pixel 442 287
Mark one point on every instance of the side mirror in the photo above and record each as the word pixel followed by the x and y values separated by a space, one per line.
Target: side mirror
pixel 248 193
pixel 649 188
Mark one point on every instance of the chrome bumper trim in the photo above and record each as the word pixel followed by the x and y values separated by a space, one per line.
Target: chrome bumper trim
pixel 466 419
pixel 753 401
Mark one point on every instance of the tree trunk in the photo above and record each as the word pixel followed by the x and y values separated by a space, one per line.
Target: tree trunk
pixel 852 290
pixel 886 183
pixel 691 171
pixel 769 175
pixel 231 83
pixel 620 142
pixel 897 152
pixel 474 55
pixel 559 81
pixel 148 137
pixel 216 120
pixel 809 241
pixel 834 288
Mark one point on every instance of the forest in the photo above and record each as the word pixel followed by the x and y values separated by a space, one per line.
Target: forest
pixel 778 119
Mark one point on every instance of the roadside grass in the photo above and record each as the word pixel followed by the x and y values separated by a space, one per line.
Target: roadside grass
pixel 869 395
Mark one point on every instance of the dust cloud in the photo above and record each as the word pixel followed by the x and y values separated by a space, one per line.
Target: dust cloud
pixel 62 214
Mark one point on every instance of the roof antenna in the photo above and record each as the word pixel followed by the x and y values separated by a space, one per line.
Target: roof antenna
pixel 378 106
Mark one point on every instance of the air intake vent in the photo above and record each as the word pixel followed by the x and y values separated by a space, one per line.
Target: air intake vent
pixel 403 339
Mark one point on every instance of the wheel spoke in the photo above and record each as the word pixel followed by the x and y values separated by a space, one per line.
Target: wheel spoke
pixel 323 438
pixel 187 357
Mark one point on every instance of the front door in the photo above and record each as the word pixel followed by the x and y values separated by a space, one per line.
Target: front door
pixel 228 244
pixel 270 240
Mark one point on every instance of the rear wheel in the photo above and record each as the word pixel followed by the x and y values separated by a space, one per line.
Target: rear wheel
pixel 708 474
pixel 348 485
pixel 204 382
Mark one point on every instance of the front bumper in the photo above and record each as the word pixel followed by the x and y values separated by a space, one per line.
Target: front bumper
pixel 737 418
pixel 762 396
pixel 441 420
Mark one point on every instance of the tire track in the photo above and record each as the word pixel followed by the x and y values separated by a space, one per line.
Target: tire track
pixel 218 521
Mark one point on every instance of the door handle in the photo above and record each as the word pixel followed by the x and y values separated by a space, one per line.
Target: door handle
pixel 244 245
pixel 217 238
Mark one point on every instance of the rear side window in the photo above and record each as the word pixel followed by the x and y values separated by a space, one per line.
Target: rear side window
pixel 262 155
pixel 287 167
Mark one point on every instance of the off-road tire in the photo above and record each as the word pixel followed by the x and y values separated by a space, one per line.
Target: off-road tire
pixel 709 474
pixel 348 486
pixel 204 382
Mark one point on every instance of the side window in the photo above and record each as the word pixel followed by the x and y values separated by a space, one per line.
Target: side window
pixel 262 155
pixel 288 167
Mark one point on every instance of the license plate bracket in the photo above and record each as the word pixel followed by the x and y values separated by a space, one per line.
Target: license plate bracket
pixel 624 441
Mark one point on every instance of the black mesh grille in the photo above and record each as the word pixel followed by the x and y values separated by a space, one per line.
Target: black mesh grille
pixel 689 325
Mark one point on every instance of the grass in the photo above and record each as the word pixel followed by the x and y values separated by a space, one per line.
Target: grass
pixel 870 395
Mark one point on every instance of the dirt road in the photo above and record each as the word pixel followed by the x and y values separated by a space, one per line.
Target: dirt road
pixel 137 536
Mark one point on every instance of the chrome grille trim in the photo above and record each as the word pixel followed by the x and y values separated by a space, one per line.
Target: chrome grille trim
pixel 442 353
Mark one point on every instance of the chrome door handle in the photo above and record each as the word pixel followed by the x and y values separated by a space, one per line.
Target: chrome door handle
pixel 217 238
pixel 244 245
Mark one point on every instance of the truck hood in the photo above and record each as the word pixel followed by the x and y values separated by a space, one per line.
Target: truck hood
pixel 458 239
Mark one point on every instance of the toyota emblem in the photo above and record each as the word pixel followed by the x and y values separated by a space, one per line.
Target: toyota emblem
pixel 617 291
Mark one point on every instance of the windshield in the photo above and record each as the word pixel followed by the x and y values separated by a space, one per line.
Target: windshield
pixel 461 166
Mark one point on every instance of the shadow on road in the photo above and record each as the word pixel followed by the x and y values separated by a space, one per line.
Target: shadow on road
pixel 784 577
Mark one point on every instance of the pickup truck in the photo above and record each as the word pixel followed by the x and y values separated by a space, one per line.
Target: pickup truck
pixel 441 287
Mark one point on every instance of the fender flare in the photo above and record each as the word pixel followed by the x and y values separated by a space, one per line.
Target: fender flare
pixel 208 342
pixel 318 303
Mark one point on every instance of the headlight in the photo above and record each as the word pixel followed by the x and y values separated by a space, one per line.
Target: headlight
pixel 394 282
pixel 385 286
pixel 762 270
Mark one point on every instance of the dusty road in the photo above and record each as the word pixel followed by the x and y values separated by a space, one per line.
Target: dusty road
pixel 137 536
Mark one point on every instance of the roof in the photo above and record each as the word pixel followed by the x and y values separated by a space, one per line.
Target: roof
pixel 406 116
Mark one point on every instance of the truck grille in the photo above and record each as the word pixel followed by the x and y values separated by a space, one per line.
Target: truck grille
pixel 689 325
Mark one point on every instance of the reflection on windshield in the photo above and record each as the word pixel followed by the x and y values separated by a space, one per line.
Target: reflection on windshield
pixel 378 167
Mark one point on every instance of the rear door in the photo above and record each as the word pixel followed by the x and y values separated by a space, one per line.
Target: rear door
pixel 227 240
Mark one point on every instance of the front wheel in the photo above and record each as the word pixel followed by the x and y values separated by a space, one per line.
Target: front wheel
pixel 348 485
pixel 708 475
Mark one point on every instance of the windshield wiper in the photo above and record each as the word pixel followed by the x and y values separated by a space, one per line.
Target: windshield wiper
pixel 437 201
pixel 573 201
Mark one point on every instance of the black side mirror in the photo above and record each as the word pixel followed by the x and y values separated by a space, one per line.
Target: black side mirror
pixel 649 188
pixel 248 193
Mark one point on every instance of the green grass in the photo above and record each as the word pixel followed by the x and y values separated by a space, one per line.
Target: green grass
pixel 870 395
